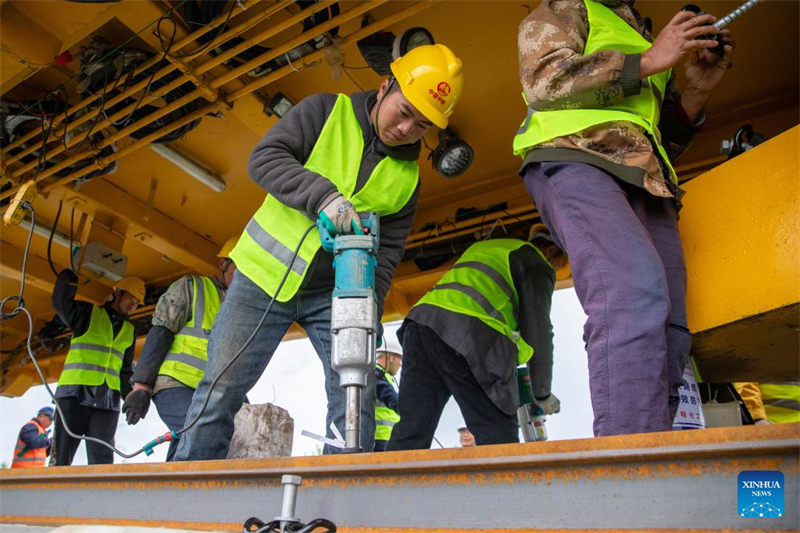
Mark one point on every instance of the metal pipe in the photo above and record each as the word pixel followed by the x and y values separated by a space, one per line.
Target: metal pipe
pixel 352 428
pixel 263 36
pixel 190 166
pixel 153 116
pixel 147 64
pixel 297 41
pixel 102 162
pixel 59 148
pixel 247 89
pixel 350 39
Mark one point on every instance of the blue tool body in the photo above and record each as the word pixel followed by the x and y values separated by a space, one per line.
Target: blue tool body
pixel 354 257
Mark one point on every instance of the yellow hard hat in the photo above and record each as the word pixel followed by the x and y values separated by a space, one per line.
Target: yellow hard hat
pixel 228 247
pixel 430 77
pixel 133 286
pixel 539 232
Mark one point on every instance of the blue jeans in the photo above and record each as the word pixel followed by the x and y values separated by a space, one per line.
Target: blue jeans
pixel 172 405
pixel 241 311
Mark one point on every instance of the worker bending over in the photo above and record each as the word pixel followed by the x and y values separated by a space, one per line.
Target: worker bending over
pixel 605 120
pixel 771 403
pixel 175 353
pixel 33 442
pixel 332 154
pixel 390 359
pixel 98 367
pixel 466 336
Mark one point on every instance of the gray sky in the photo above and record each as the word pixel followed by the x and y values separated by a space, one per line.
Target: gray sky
pixel 294 381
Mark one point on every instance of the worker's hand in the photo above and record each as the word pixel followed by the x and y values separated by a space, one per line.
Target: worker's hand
pixel 761 422
pixel 704 70
pixel 342 217
pixel 136 406
pixel 679 37
pixel 550 405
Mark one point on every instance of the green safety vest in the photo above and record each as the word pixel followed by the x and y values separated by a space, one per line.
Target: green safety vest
pixel 96 356
pixel 188 353
pixel 480 285
pixel 385 417
pixel 607 31
pixel 781 402
pixel 265 249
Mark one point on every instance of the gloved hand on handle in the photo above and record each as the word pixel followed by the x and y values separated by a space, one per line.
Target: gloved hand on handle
pixel 339 216
pixel 549 404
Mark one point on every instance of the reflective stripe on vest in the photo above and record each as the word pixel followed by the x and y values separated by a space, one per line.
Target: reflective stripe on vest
pixel 385 417
pixel 96 356
pixel 480 285
pixel 187 355
pixel 265 249
pixel 781 402
pixel 607 31
pixel 25 457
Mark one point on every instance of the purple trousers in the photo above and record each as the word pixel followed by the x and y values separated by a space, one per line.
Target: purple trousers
pixel 630 277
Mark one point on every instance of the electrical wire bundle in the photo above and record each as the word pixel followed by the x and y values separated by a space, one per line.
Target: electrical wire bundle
pixel 199 14
pixel 112 69
pixel 320 525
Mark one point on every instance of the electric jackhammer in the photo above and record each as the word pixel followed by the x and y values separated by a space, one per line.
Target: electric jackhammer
pixel 354 316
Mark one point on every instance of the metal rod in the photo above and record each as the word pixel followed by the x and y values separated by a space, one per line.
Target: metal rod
pixel 735 14
pixel 290 485
pixel 352 428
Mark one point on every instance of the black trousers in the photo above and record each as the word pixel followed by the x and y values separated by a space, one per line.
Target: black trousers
pixel 432 372
pixel 88 422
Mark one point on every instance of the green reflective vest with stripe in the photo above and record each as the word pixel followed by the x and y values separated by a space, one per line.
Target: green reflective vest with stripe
pixel 385 417
pixel 781 402
pixel 188 353
pixel 607 31
pixel 480 285
pixel 96 356
pixel 265 249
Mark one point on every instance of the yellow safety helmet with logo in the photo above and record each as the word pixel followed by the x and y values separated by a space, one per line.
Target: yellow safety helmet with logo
pixel 227 248
pixel 133 286
pixel 431 78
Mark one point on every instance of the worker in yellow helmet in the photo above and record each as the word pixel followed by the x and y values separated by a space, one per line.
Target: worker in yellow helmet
pixel 176 349
pixel 771 403
pixel 98 367
pixel 332 155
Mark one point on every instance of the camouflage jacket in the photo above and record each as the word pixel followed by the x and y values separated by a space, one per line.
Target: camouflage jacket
pixel 556 75
pixel 173 311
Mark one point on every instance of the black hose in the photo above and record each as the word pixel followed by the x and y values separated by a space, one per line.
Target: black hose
pixel 50 239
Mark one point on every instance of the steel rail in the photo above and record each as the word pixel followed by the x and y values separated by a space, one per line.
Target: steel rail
pixel 681 480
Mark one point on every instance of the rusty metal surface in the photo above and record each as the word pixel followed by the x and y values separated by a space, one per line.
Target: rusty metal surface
pixel 666 482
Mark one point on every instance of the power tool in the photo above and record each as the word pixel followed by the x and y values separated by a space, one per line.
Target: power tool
pixel 354 315
pixel 530 416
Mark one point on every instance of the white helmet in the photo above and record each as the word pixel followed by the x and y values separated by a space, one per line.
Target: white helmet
pixel 390 346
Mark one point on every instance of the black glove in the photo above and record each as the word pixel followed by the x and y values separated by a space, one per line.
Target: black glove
pixel 136 405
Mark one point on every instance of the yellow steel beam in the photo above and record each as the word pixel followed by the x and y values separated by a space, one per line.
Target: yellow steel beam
pixel 38 273
pixel 740 228
pixel 158 231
